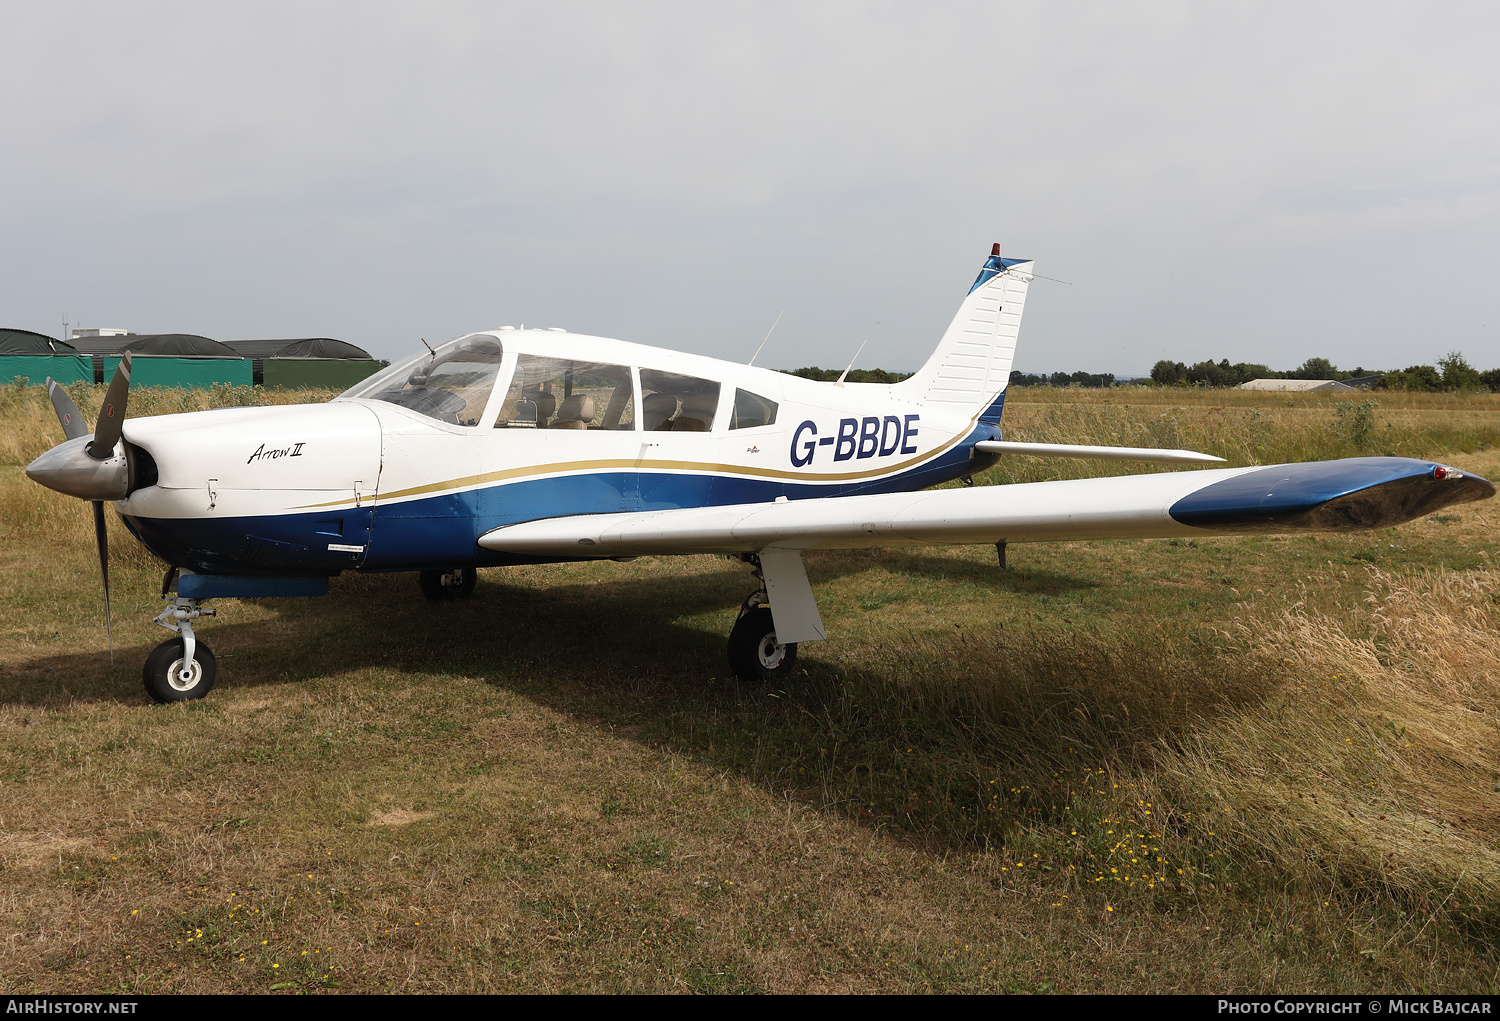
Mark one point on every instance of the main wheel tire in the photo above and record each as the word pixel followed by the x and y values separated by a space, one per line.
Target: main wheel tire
pixel 754 653
pixel 162 666
pixel 454 583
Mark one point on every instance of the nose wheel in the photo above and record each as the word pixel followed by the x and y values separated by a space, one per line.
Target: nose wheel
pixel 169 679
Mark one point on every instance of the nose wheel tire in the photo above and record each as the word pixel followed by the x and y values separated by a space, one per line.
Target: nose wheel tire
pixel 754 653
pixel 456 583
pixel 163 670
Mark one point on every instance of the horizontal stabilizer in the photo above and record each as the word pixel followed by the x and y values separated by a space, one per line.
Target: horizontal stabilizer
pixel 1099 453
pixel 1355 493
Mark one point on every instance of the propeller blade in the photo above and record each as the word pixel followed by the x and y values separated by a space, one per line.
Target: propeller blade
pixel 101 537
pixel 67 412
pixel 112 414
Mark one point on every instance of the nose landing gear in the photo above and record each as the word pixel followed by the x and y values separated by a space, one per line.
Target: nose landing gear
pixel 180 669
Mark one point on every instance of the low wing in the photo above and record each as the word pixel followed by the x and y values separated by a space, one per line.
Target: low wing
pixel 1356 493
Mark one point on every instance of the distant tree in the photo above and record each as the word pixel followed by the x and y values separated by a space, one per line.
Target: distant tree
pixel 1209 374
pixel 855 375
pixel 1093 380
pixel 877 375
pixel 1317 368
pixel 1491 379
pixel 1457 373
pixel 1244 372
pixel 1413 377
pixel 1167 372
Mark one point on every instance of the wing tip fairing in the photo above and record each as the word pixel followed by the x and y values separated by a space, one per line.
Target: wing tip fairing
pixel 1353 493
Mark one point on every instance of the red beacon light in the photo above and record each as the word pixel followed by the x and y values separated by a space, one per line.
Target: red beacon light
pixel 1439 472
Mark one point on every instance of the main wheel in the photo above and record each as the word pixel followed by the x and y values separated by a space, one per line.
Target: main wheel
pixel 754 653
pixel 455 583
pixel 165 663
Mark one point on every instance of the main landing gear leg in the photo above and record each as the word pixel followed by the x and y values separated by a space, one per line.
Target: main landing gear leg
pixel 754 653
pixel 182 668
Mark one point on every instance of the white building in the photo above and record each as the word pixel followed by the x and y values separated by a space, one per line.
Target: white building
pixel 1295 385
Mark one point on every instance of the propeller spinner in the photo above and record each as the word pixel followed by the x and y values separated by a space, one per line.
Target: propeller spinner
pixel 88 466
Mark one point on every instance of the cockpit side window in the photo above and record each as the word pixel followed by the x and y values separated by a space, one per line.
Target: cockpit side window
pixel 565 393
pixel 751 410
pixel 451 384
pixel 677 403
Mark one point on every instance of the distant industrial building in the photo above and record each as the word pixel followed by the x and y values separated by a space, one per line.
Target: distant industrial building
pixel 306 361
pixel 26 342
pixel 29 355
pixel 183 359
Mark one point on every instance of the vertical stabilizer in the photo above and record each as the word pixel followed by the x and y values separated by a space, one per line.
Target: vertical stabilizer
pixel 967 373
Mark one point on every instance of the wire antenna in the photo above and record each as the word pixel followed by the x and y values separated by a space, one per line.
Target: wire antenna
pixel 845 373
pixel 1038 276
pixel 766 338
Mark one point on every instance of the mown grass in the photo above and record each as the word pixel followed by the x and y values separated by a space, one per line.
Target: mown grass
pixel 1258 764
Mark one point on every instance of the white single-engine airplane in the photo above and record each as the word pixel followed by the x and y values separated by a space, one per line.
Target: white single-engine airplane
pixel 517 446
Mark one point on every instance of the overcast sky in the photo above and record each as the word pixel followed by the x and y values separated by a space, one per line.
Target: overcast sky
pixel 1258 181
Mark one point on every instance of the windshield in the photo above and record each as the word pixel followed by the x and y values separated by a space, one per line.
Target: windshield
pixel 451 384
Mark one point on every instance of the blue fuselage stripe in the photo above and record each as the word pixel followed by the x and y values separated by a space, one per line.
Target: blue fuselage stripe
pixel 442 530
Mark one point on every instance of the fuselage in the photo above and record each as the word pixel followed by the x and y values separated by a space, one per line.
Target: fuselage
pixel 407 470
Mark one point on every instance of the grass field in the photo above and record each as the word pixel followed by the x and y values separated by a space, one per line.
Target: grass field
pixel 1244 764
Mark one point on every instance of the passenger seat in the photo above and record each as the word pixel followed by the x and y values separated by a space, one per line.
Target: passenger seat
pixel 576 413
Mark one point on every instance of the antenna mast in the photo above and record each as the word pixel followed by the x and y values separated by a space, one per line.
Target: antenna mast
pixel 766 338
pixel 840 381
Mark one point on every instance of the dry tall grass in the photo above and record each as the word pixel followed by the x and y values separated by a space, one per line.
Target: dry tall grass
pixel 1374 765
pixel 1243 427
pixel 31 425
pixel 1353 750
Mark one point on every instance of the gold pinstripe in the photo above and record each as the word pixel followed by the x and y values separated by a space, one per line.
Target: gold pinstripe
pixel 699 466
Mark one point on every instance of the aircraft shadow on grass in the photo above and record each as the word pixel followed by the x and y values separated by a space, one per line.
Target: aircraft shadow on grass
pixel 614 652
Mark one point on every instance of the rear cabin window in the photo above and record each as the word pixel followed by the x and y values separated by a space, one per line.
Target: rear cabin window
pixel 564 393
pixel 751 410
pixel 454 385
pixel 675 403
